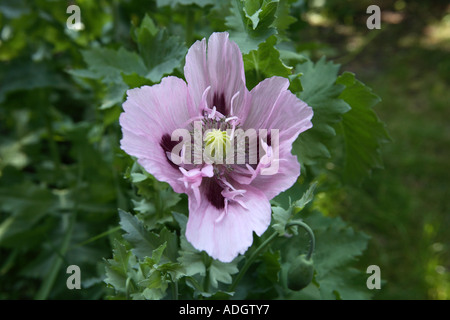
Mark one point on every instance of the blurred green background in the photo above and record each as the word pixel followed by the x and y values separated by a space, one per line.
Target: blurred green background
pixel 60 161
pixel 405 207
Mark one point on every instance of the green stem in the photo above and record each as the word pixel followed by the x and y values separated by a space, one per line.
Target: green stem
pixel 9 263
pixel 194 283
pixel 54 152
pixel 255 62
pixel 127 288
pixel 175 290
pixel 250 260
pixel 49 280
pixel 312 243
pixel 207 260
pixel 46 286
pixel 101 235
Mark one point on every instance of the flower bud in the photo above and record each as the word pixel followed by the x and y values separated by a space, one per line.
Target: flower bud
pixel 300 273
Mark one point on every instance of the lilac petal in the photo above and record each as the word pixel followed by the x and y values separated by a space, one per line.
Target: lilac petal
pixel 287 174
pixel 224 235
pixel 151 115
pixel 196 71
pixel 286 170
pixel 221 67
pixel 273 106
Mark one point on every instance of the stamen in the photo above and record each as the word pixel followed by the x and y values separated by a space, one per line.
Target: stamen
pixel 193 178
pixel 232 104
pixel 231 118
pixel 203 102
pixel 213 112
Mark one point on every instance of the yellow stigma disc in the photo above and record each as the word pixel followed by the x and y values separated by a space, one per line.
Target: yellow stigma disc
pixel 216 143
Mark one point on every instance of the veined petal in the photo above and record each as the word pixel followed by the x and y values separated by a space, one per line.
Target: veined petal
pixel 272 178
pixel 273 106
pixel 151 115
pixel 224 235
pixel 287 172
pixel 196 71
pixel 220 66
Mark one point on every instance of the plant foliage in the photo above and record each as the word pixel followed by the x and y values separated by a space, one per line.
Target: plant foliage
pixel 69 195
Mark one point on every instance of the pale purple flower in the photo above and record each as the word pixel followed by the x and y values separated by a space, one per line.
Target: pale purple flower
pixel 227 202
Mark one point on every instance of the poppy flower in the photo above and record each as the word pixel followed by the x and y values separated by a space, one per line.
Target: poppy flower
pixel 227 148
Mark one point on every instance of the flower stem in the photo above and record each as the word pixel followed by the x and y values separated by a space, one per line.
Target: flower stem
pixel 250 260
pixel 207 260
pixel 42 97
pixel 49 280
pixel 175 290
pixel 263 245
pixel 312 243
pixel 255 62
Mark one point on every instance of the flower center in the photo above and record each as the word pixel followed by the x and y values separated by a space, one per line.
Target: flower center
pixel 217 142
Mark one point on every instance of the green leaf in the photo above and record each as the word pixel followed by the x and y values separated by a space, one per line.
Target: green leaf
pixel 155 199
pixel 137 177
pixel 280 219
pixel 27 204
pixel 109 64
pixel 13 9
pixel 147 24
pixel 156 280
pixel 337 246
pixel 337 243
pixel 143 241
pixel 115 93
pixel 161 53
pixel 344 284
pixel 143 206
pixel 281 216
pixel 291 56
pixel 364 133
pixel 264 63
pixel 283 18
pixel 251 22
pixel 158 252
pixel 148 278
pixel 28 75
pixel 295 83
pixel 221 272
pixel 270 267
pixel 134 80
pixel 322 94
pixel 307 197
pixel 117 269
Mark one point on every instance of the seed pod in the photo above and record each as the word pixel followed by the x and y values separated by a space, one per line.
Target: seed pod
pixel 300 273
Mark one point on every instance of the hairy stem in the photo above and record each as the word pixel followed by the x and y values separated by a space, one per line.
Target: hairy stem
pixel 312 239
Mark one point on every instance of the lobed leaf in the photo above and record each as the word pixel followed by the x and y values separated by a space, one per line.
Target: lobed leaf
pixel 320 92
pixel 251 22
pixel 363 131
pixel 264 63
